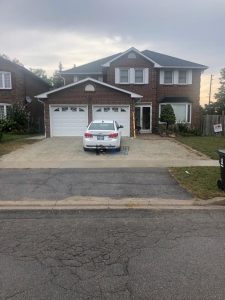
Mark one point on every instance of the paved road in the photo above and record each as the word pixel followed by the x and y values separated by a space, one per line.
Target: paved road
pixel 56 184
pixel 112 255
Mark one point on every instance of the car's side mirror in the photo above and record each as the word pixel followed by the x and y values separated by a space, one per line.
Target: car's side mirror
pixel 121 126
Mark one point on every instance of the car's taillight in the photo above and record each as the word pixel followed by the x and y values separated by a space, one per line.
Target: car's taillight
pixel 88 135
pixel 113 135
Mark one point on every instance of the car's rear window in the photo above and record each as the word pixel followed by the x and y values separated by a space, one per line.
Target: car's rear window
pixel 101 126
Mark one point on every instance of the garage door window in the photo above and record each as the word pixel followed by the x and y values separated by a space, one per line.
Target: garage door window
pixel 81 109
pixel 56 109
pixel 115 109
pixel 106 109
pixel 74 109
pixel 65 108
pixel 123 110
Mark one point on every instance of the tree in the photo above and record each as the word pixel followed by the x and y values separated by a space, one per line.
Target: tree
pixel 57 79
pixel 167 115
pixel 220 96
pixel 42 74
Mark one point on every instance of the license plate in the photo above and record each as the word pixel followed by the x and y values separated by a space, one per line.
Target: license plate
pixel 100 137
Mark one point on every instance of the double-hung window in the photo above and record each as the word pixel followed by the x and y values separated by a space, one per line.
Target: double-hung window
pixel 131 75
pixel 124 75
pixel 4 110
pixel 182 78
pixel 139 75
pixel 168 77
pixel 5 80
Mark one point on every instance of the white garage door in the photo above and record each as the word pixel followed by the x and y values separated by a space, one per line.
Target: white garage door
pixel 121 114
pixel 68 120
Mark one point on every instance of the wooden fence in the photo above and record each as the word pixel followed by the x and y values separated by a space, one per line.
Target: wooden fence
pixel 208 121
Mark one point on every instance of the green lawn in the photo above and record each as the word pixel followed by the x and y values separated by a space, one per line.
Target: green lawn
pixel 11 142
pixel 200 181
pixel 207 145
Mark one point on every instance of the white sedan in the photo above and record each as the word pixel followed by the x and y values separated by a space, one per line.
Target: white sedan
pixel 102 134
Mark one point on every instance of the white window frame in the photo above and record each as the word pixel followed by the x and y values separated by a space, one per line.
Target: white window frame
pixel 143 75
pixel 128 75
pixel 5 105
pixel 175 77
pixel 131 76
pixel 186 111
pixel 2 74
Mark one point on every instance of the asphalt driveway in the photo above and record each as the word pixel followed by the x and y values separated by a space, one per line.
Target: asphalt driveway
pixel 67 152
pixel 60 184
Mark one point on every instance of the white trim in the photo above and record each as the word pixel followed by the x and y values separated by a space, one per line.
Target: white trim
pixel 114 105
pixel 4 108
pixel 132 49
pixel 180 103
pixel 45 95
pixel 141 115
pixel 175 77
pixel 61 105
pixel 2 73
pixel 183 67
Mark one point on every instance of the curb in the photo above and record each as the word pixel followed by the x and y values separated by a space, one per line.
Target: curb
pixel 84 203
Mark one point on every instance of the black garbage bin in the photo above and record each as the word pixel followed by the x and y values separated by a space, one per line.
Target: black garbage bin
pixel 221 181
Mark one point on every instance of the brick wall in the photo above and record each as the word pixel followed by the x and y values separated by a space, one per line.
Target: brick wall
pixel 77 95
pixel 24 84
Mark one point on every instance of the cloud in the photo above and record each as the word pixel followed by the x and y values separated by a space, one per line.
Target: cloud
pixel 42 33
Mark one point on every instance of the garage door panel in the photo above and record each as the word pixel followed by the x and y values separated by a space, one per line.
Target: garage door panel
pixel 121 114
pixel 68 120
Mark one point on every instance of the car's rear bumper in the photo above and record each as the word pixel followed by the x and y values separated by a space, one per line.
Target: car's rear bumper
pixel 113 144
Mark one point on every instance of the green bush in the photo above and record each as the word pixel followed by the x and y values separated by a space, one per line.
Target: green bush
pixel 17 119
pixel 185 130
pixel 167 115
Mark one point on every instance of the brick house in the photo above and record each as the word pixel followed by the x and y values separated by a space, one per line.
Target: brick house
pixel 129 87
pixel 19 85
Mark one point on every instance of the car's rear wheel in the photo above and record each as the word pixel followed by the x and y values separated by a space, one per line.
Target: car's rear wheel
pixel 85 149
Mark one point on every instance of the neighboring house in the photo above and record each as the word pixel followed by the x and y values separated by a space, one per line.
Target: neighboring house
pixel 129 87
pixel 18 85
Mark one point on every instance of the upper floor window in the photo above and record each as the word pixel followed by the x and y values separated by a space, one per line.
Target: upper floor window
pixel 124 75
pixel 181 77
pixel 5 80
pixel 139 75
pixel 131 75
pixel 168 77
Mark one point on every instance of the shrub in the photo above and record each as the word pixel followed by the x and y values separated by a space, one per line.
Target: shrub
pixel 17 119
pixel 167 115
pixel 185 130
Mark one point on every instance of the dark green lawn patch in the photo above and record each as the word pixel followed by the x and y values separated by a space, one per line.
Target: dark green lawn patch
pixel 207 145
pixel 200 181
pixel 11 142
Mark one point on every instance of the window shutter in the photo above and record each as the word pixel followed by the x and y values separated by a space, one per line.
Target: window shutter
pixel 161 79
pixel 175 77
pixel 1 80
pixel 132 76
pixel 117 75
pixel 189 77
pixel 146 75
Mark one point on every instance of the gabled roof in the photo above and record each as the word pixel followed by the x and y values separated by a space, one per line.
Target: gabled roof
pixel 45 95
pixel 22 69
pixel 94 67
pixel 107 64
pixel 158 59
pixel 167 61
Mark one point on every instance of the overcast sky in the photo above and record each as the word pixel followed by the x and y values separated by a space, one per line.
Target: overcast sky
pixel 40 33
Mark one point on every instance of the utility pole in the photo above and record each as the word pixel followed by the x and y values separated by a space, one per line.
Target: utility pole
pixel 210 88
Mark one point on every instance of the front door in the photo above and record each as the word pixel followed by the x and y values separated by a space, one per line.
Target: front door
pixel 143 120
